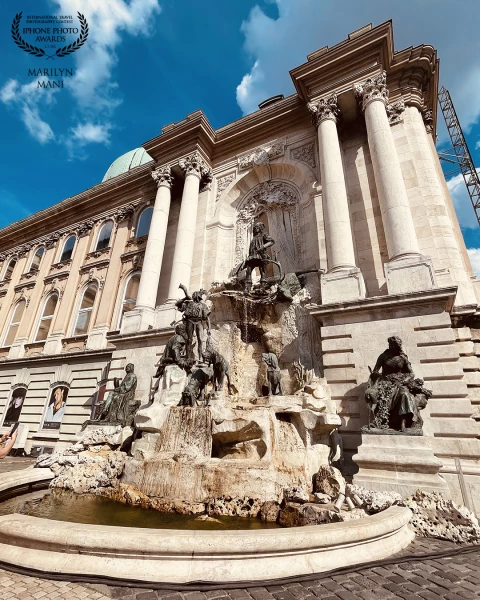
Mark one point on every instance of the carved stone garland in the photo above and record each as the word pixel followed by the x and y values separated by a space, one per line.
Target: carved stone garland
pixel 266 197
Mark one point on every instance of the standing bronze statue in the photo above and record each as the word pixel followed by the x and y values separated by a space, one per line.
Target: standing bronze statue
pixel 394 396
pixel 195 314
pixel 274 382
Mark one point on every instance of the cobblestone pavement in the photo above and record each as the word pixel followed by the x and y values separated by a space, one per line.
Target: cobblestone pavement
pixel 411 576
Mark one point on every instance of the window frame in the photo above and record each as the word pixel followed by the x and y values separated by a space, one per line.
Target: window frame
pixel 4 277
pixel 31 268
pixel 50 391
pixel 137 224
pixel 122 301
pixel 21 386
pixel 95 283
pixel 11 322
pixel 97 237
pixel 60 256
pixel 40 318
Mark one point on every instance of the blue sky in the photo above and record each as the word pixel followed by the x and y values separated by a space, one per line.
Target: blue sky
pixel 150 62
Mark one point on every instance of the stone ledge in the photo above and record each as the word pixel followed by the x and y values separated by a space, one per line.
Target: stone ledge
pixel 445 295
pixel 175 556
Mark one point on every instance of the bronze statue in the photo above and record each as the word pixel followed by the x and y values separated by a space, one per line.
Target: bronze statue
pixel 221 369
pixel 273 374
pixel 394 397
pixel 122 402
pixel 175 352
pixel 194 391
pixel 195 314
pixel 119 406
pixel 257 255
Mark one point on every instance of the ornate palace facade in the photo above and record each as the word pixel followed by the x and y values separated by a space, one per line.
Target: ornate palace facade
pixel 345 176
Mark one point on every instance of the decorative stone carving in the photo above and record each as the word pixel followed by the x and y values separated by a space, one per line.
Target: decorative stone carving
pixel 223 183
pixel 84 228
pixel 427 116
pixel 394 397
pixel 325 108
pixel 266 197
pixel 395 112
pixel 206 182
pixel 124 212
pixel 52 240
pixel 25 249
pixel 195 164
pixel 3 257
pixel 374 88
pixel 139 241
pixel 262 155
pixel 305 153
pixel 162 176
pixel 61 265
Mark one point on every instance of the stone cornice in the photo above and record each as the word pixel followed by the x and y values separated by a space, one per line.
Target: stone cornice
pixel 411 73
pixel 68 214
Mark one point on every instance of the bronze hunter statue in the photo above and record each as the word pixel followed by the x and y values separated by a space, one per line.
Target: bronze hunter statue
pixel 274 382
pixel 195 314
pixel 258 258
pixel 394 396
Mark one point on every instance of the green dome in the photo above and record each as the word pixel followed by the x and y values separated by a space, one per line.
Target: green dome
pixel 127 161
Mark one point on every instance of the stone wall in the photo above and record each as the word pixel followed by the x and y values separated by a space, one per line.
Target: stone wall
pixel 352 341
pixel 81 375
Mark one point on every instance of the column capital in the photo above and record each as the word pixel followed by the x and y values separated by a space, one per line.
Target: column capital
pixel 325 108
pixel 193 164
pixel 162 176
pixel 374 88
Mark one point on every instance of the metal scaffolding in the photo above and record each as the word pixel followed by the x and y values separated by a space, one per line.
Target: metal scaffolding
pixel 459 154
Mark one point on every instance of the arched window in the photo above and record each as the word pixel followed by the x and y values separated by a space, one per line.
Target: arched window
pixel 37 259
pixel 46 319
pixel 143 223
pixel 130 294
pixel 12 330
pixel 68 248
pixel 104 235
pixel 10 268
pixel 85 311
pixel 15 406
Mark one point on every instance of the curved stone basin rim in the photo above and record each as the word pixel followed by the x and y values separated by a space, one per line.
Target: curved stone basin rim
pixel 182 556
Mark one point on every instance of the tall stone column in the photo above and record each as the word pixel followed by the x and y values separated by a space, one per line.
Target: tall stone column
pixel 152 262
pixel 142 316
pixel 408 270
pixel 194 168
pixel 343 280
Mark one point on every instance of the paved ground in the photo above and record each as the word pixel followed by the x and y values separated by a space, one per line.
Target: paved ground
pixel 411 576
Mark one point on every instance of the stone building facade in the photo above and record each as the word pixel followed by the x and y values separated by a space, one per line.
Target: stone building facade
pixel 346 177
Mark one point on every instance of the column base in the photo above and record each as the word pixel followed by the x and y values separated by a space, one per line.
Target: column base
pixel 138 319
pixel 339 286
pixel 398 463
pixel 166 315
pixel 97 338
pixel 412 274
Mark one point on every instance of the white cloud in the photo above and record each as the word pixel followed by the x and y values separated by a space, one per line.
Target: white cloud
pixel 461 200
pixel 90 133
pixel 474 254
pixel 303 26
pixel 28 99
pixel 93 87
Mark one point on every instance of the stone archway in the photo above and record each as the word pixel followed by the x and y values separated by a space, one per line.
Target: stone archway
pixel 285 189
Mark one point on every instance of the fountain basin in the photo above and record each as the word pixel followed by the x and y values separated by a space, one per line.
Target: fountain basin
pixel 174 556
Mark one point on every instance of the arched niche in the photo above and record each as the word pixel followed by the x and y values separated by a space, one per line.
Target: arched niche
pixel 279 193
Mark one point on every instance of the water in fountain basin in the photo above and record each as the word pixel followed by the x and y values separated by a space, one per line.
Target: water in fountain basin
pixel 62 505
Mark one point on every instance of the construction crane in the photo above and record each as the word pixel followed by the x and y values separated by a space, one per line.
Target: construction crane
pixel 459 154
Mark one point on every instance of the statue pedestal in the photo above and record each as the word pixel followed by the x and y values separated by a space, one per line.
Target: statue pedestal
pixel 398 463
